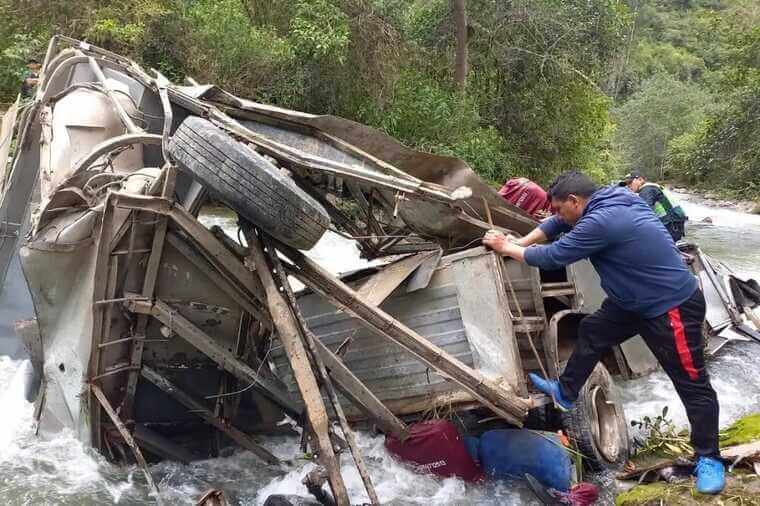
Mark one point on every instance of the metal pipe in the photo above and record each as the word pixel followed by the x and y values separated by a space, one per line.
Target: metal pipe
pixel 113 143
pixel 131 127
pixel 168 120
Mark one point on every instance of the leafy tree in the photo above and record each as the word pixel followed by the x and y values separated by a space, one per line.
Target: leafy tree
pixel 664 109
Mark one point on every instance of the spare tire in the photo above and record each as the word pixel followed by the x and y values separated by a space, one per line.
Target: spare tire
pixel 247 182
pixel 597 423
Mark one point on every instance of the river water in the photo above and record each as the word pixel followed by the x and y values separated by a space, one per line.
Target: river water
pixel 61 471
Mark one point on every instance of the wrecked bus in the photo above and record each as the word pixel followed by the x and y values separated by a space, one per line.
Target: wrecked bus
pixel 154 337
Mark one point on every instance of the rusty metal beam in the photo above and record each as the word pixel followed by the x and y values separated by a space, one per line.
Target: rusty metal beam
pixel 227 284
pixel 148 289
pixel 359 395
pixel 161 445
pixel 100 324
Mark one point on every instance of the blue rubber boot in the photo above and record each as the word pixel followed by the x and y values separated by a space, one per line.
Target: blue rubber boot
pixel 551 388
pixel 711 476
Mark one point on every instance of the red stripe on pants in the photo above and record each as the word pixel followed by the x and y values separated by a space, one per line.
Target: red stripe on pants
pixel 681 345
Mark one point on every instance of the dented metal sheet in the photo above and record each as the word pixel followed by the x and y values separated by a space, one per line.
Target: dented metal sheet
pixel 389 371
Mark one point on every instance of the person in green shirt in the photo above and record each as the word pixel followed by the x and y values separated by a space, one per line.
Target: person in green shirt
pixel 31 77
pixel 664 206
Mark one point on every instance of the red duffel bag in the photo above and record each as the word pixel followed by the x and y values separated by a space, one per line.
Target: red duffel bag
pixel 436 447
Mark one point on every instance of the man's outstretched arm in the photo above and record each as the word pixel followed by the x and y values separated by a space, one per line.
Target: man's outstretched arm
pixel 584 240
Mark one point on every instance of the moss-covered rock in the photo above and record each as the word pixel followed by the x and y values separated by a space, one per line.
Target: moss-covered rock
pixel 744 430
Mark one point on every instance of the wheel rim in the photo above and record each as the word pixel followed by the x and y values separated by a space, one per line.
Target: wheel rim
pixel 606 431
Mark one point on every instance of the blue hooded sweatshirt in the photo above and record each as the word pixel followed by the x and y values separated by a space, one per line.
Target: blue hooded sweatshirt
pixel 638 262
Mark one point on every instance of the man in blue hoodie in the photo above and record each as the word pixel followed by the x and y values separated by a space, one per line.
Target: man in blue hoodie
pixel 650 292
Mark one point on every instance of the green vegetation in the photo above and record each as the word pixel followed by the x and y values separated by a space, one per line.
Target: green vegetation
pixel 533 104
pixel 670 87
pixel 662 442
pixel 741 489
pixel 744 430
pixel 689 97
pixel 661 438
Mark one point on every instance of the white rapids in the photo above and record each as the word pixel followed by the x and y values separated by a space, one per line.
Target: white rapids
pixel 62 472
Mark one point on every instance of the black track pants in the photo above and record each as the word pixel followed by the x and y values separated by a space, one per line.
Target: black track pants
pixel 675 338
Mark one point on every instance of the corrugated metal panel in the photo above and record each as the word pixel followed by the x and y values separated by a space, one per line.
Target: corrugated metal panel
pixel 385 367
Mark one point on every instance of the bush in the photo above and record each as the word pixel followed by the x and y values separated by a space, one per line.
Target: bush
pixel 13 58
pixel 664 109
pixel 427 116
pixel 320 30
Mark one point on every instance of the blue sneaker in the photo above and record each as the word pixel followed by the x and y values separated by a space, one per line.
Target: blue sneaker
pixel 711 476
pixel 551 388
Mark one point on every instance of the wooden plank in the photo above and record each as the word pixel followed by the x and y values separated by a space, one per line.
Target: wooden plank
pixel 480 291
pixel 289 333
pixel 504 403
pixel 311 340
pixel 101 397
pixel 379 286
pixel 199 409
pixel 206 344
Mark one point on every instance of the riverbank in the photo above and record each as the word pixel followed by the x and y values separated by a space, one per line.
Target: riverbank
pixel 742 483
pixel 712 198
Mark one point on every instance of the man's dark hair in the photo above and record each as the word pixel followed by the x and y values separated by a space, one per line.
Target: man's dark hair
pixel 32 60
pixel 571 183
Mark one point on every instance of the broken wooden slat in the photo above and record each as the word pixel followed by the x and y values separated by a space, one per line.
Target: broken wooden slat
pixel 507 405
pixel 463 216
pixel 101 397
pixel 206 344
pixel 199 409
pixel 310 341
pixel 379 286
pixel 290 337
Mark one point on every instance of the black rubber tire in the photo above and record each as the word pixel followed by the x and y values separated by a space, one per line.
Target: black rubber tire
pixel 235 174
pixel 581 423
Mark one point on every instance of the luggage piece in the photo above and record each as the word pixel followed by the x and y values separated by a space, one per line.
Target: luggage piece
pixel 514 453
pixel 436 447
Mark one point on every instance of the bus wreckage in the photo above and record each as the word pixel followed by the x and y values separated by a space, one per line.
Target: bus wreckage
pixel 154 337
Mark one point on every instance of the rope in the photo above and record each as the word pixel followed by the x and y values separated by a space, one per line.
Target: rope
pixel 528 332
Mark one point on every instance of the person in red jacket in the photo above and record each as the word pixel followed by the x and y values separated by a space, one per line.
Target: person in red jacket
pixel 527 195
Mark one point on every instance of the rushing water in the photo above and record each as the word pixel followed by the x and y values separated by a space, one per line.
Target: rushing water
pixel 62 471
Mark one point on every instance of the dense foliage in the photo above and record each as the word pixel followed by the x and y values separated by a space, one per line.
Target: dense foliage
pixel 666 86
pixel 689 97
